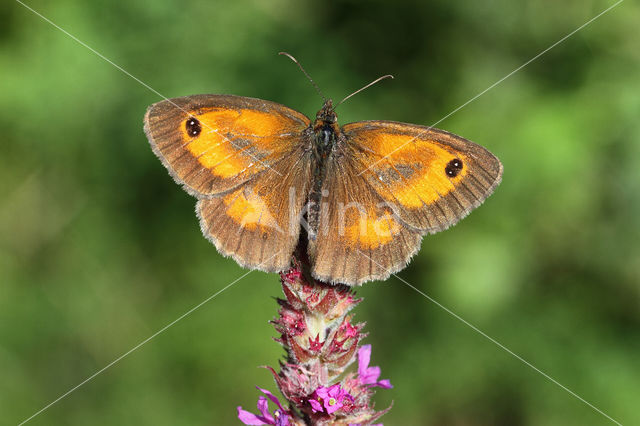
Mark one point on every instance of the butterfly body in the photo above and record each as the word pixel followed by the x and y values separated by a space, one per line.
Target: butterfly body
pixel 326 137
pixel 363 194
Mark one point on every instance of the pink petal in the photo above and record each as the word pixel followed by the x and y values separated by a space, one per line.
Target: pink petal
pixel 263 407
pixel 335 391
pixel 315 405
pixel 272 397
pixel 364 357
pixel 370 375
pixel 386 384
pixel 249 418
pixel 322 392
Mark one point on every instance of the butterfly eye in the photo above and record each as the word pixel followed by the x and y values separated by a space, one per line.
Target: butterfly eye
pixel 453 167
pixel 193 127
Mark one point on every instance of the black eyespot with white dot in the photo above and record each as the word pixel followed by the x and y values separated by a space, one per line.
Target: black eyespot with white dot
pixel 193 126
pixel 453 167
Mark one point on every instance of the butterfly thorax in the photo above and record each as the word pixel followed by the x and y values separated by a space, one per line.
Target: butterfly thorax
pixel 326 130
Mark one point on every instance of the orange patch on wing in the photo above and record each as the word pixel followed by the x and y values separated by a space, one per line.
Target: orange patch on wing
pixel 396 146
pixel 262 128
pixel 370 231
pixel 428 160
pixel 243 121
pixel 228 133
pixel 216 154
pixel 250 211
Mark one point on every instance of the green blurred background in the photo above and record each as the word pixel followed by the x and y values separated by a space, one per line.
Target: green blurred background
pixel 99 249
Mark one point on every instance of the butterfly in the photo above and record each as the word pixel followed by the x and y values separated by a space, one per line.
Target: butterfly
pixel 360 196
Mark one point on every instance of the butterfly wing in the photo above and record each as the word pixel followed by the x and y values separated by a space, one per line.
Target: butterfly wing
pixel 430 178
pixel 247 162
pixel 212 143
pixel 400 181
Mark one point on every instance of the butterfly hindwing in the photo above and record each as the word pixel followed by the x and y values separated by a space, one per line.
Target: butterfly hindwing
pixel 258 224
pixel 359 238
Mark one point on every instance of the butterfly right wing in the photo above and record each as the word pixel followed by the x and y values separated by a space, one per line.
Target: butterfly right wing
pixel 390 184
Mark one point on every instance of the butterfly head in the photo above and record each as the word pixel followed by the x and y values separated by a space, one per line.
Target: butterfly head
pixel 326 115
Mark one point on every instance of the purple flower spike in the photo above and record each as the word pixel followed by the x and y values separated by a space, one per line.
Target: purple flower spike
pixel 321 339
pixel 369 375
pixel 279 417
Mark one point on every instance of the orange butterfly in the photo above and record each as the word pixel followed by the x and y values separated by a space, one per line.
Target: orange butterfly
pixel 361 196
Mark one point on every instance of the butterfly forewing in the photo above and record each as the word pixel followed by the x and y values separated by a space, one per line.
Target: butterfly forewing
pixel 212 143
pixel 432 178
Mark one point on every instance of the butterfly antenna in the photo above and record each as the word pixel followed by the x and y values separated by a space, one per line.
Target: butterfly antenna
pixel 305 73
pixel 365 87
